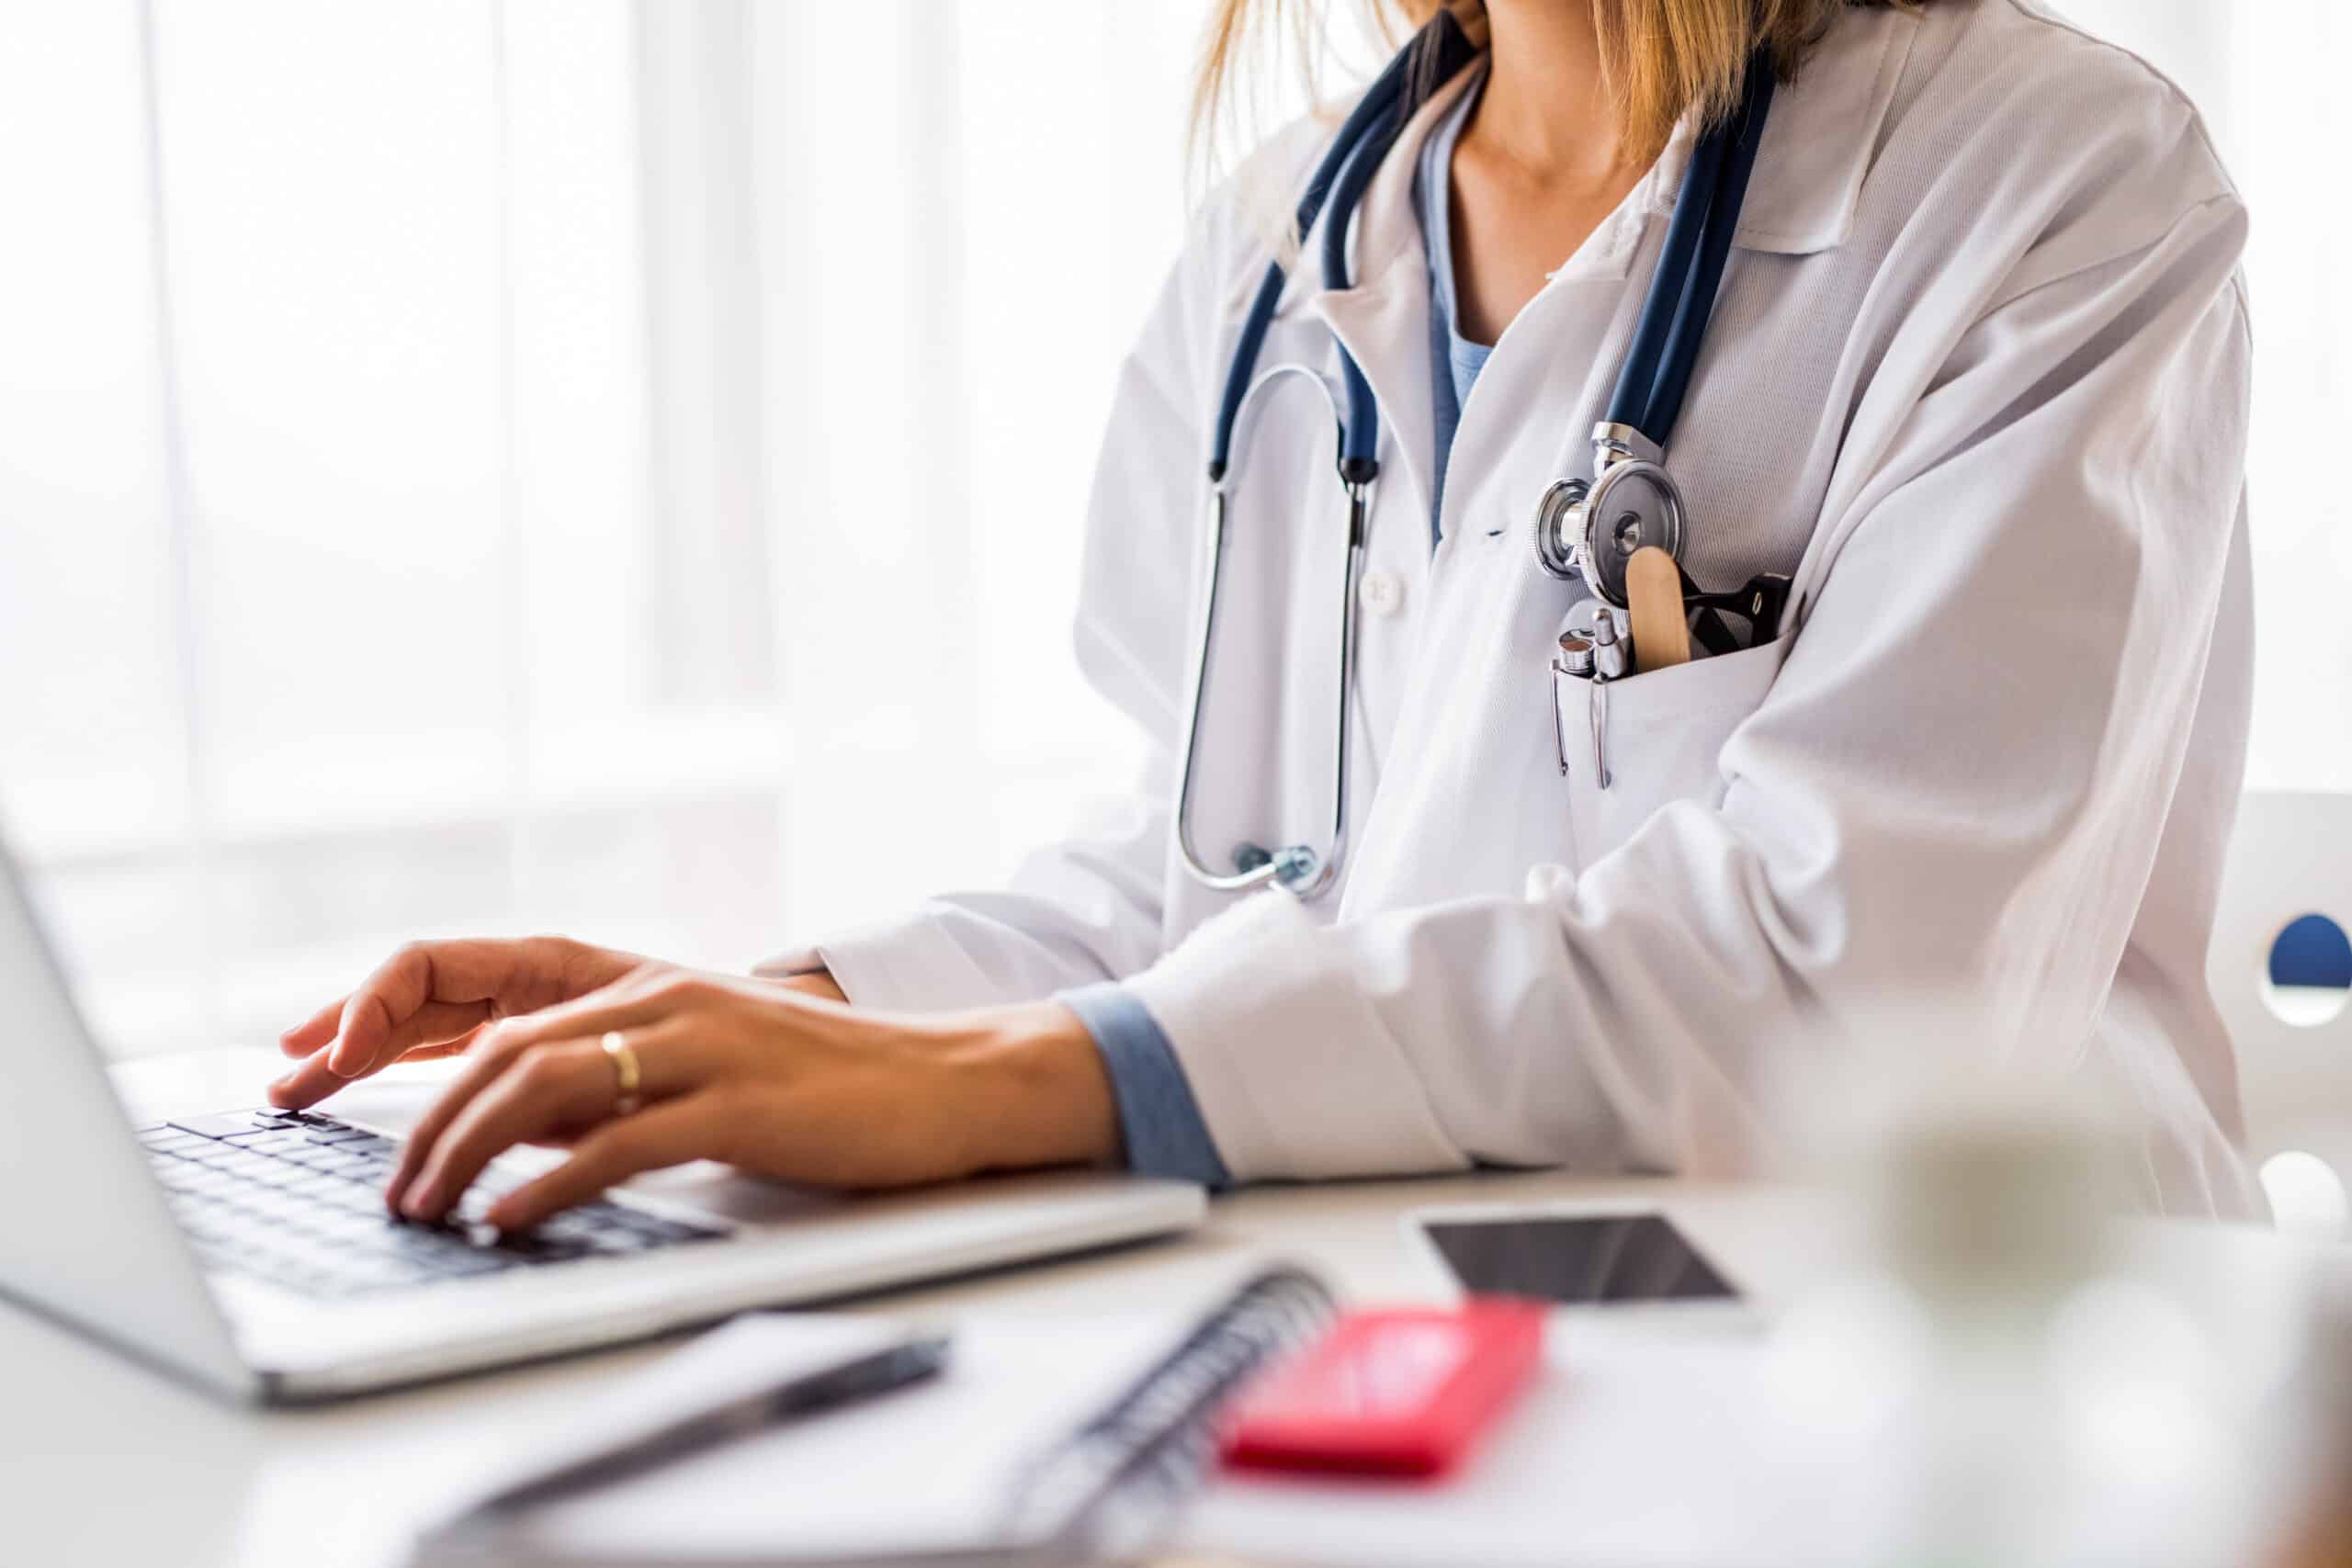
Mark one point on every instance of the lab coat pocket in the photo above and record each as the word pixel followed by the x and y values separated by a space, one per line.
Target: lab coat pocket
pixel 1663 733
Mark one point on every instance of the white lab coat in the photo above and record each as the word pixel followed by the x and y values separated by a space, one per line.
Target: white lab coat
pixel 1978 379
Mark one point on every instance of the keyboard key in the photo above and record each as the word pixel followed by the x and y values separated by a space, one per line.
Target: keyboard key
pixel 173 1140
pixel 349 1223
pixel 568 1228
pixel 625 1241
pixel 278 1141
pixel 297 1199
pixel 473 1263
pixel 668 1230
pixel 410 1249
pixel 223 1124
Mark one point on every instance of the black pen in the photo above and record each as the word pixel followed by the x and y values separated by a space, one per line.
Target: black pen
pixel 893 1367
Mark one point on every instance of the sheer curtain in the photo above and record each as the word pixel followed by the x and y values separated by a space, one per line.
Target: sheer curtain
pixel 591 465
pixel 2271 79
pixel 616 466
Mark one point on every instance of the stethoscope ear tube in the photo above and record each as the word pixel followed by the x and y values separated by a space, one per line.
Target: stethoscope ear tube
pixel 1637 379
pixel 1443 48
pixel 1734 146
pixel 1356 154
pixel 1300 869
pixel 1360 436
pixel 1251 870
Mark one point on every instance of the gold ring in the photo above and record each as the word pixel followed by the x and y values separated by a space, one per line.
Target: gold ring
pixel 625 1071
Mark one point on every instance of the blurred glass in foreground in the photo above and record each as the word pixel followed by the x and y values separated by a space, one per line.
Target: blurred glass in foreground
pixel 2021 1370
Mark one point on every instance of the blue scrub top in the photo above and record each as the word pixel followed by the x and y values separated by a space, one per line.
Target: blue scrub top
pixel 1455 360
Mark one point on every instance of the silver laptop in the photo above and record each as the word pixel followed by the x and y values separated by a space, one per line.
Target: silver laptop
pixel 250 1250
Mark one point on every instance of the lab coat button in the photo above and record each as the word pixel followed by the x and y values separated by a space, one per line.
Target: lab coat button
pixel 1383 593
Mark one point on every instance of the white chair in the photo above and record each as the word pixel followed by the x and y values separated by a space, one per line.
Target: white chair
pixel 2291 857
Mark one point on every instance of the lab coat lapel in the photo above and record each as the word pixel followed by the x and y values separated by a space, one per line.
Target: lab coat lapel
pixel 1818 141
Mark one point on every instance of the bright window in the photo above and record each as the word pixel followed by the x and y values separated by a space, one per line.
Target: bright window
pixel 606 465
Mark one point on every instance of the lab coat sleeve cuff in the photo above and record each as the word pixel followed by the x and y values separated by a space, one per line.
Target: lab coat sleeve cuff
pixel 1159 1119
pixel 1292 1066
pixel 908 965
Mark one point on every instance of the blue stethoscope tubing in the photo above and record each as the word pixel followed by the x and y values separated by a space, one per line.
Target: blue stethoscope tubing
pixel 1642 411
pixel 1372 125
pixel 1665 351
pixel 1590 528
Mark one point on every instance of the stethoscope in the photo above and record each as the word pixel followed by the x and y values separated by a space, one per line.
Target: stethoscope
pixel 1583 528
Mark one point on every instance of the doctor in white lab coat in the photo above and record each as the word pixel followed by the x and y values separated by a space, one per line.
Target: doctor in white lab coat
pixel 1978 379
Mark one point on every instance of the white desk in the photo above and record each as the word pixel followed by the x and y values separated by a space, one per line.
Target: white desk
pixel 104 1461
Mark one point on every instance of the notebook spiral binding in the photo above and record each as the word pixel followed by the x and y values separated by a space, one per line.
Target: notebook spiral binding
pixel 1112 1487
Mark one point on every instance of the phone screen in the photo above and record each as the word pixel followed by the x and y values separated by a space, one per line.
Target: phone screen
pixel 1583 1259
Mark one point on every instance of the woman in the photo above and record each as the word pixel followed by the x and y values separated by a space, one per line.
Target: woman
pixel 1976 381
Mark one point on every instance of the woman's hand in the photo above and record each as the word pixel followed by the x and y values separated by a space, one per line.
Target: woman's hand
pixel 766 1077
pixel 430 999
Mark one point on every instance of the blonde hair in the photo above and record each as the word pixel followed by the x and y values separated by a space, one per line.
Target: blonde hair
pixel 1660 58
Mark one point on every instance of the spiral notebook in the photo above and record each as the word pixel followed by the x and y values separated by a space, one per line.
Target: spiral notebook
pixel 1041 1442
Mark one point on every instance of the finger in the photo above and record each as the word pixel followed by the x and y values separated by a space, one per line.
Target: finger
pixel 315 1079
pixel 314 1031
pixel 547 1087
pixel 389 1005
pixel 669 1133
pixel 490 1054
pixel 630 1006
pixel 661 1072
pixel 434 1023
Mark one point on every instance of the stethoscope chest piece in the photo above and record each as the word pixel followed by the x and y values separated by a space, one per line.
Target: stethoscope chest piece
pixel 1590 529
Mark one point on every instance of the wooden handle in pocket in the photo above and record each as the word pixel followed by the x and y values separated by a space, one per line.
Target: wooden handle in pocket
pixel 1653 594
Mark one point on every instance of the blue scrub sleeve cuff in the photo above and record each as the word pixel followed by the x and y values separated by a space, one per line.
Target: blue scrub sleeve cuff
pixel 1159 1118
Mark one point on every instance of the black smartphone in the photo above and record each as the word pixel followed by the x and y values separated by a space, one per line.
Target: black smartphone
pixel 1578 1260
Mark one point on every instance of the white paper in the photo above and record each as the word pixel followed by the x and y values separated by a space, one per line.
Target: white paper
pixel 1632 1449
pixel 925 1469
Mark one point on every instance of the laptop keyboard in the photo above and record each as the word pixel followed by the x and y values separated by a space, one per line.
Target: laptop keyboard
pixel 297 1199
